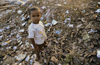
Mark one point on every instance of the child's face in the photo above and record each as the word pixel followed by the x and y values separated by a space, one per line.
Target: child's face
pixel 35 16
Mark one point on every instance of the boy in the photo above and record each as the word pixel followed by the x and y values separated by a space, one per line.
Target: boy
pixel 36 30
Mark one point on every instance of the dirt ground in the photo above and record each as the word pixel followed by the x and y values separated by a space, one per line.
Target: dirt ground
pixel 72 27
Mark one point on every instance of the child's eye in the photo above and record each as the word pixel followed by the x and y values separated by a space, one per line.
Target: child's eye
pixel 33 16
pixel 38 15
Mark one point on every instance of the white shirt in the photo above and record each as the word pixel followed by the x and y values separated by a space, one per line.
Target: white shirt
pixel 37 32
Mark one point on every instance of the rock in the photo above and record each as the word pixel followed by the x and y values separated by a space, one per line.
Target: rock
pixel 54 59
pixel 81 58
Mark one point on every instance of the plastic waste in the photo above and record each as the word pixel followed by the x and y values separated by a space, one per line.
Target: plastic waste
pixel 58 4
pixel 18 35
pixel 48 24
pixel 22 30
pixel 38 2
pixel 67 11
pixel 92 31
pixel 7 27
pixel 67 19
pixel 71 25
pixel 34 56
pixel 30 5
pixel 23 18
pixel 24 24
pixel 54 22
pixel 59 64
pixel 19 11
pixel 98 3
pixel 20 43
pixel 41 19
pixel 32 46
pixel 27 58
pixel 1 30
pixel 20 57
pixel 58 32
pixel 43 7
pixel 20 64
pixel 31 62
pixel 65 3
pixel 79 25
pixel 15 47
pixel 98 53
pixel 7 42
pixel 98 11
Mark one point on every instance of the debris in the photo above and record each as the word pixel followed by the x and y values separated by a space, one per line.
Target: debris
pixel 20 57
pixel 98 53
pixel 98 10
pixel 54 22
pixel 19 11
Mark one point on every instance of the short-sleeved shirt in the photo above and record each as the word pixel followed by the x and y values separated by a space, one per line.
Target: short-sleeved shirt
pixel 37 32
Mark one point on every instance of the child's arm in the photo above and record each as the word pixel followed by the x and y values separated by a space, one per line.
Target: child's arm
pixel 33 42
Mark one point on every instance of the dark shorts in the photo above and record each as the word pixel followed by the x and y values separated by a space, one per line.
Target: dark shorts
pixel 40 46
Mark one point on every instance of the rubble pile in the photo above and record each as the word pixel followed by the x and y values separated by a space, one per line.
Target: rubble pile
pixel 73 31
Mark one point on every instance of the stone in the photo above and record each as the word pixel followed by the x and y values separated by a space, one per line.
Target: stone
pixel 54 59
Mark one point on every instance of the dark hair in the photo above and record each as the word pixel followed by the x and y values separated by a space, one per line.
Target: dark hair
pixel 33 9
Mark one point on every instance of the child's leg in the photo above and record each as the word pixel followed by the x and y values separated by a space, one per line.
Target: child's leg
pixel 45 44
pixel 38 56
pixel 38 51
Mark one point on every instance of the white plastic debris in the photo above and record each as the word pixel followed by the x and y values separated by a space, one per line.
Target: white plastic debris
pixel 54 22
pixel 24 23
pixel 65 2
pixel 48 24
pixel 79 25
pixel 20 43
pixel 58 4
pixel 59 64
pixel 38 2
pixel 98 53
pixel 23 18
pixel 30 5
pixel 92 31
pixel 19 11
pixel 27 58
pixel 67 11
pixel 41 18
pixel 67 19
pixel 31 62
pixel 18 35
pixel 15 47
pixel 43 7
pixel 22 30
pixel 98 10
pixel 7 27
pixel 20 63
pixel 20 56
pixel 7 42
pixel 32 46
pixel 99 3
pixel 70 25
pixel 1 30
pixel 34 57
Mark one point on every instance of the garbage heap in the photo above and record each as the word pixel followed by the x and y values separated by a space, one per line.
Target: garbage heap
pixel 73 33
